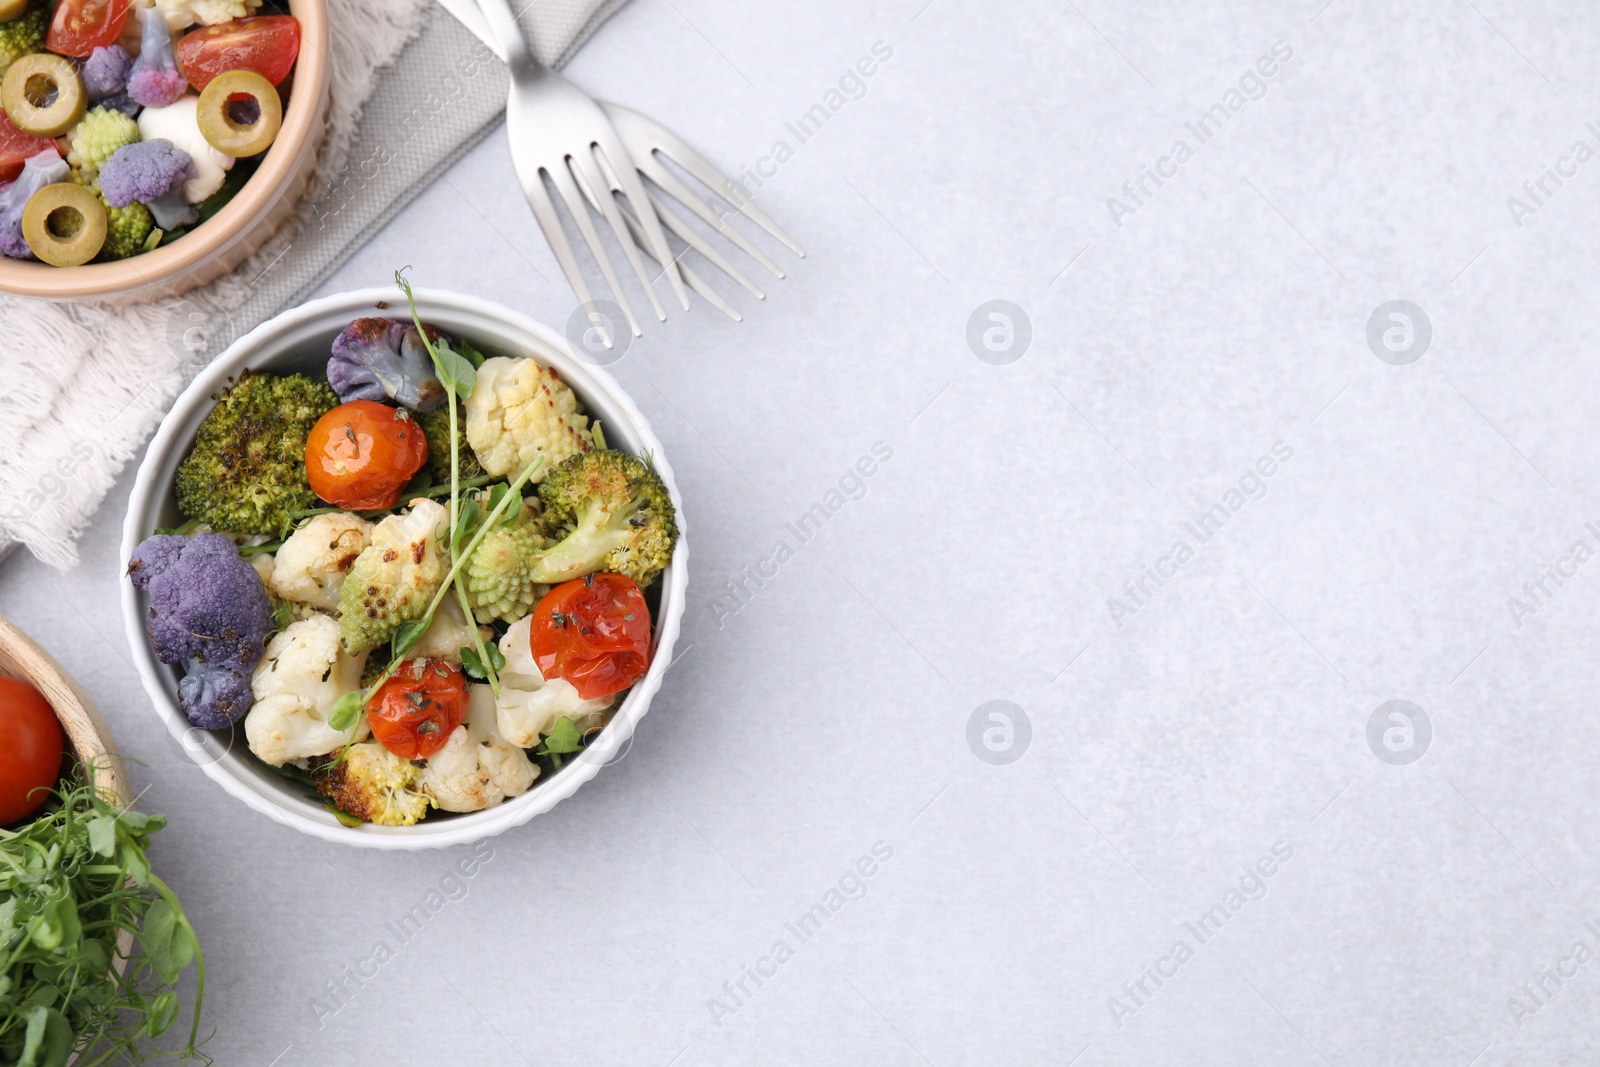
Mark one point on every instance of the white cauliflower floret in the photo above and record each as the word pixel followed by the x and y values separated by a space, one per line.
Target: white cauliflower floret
pixel 529 706
pixel 519 411
pixel 180 124
pixel 313 562
pixel 477 768
pixel 305 669
pixel 262 562
pixel 396 577
pixel 181 14
pixel 448 634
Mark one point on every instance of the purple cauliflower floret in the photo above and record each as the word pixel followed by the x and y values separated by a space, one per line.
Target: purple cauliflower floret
pixel 209 611
pixel 381 359
pixel 155 80
pixel 46 168
pixel 105 72
pixel 152 173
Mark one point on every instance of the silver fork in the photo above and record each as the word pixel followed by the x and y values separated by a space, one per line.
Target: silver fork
pixel 595 153
pixel 558 131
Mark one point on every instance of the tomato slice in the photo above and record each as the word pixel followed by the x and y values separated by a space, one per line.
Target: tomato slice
pixel 362 455
pixel 414 712
pixel 81 26
pixel 266 44
pixel 30 750
pixel 594 632
pixel 16 147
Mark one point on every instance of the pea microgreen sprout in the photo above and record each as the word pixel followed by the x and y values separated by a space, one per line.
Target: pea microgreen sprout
pixel 458 375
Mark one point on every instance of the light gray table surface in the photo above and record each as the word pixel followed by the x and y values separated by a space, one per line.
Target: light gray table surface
pixel 1427 913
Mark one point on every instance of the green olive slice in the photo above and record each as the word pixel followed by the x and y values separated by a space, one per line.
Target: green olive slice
pixel 12 9
pixel 64 224
pixel 43 95
pixel 226 101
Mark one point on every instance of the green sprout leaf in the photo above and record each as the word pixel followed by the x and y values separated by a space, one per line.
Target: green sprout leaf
pixel 344 711
pixel 455 371
pixel 165 941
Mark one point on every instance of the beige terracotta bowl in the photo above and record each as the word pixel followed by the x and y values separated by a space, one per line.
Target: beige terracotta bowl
pixel 221 243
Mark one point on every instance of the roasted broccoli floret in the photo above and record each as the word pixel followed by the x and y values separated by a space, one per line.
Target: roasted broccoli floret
pixel 208 611
pixel 96 138
pixel 499 574
pixel 247 471
pixel 24 35
pixel 436 428
pixel 395 577
pixel 374 784
pixel 607 511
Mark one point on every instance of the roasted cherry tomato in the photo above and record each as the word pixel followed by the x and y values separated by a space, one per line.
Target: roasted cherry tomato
pixel 16 147
pixel 361 455
pixel 81 26
pixel 266 44
pixel 30 750
pixel 594 632
pixel 414 712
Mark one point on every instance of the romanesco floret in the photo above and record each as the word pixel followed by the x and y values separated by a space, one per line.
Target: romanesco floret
pixel 520 411
pixel 128 230
pixel 395 577
pixel 24 35
pixel 96 139
pixel 181 14
pixel 499 574
pixel 610 512
pixel 247 471
pixel 374 784
pixel 436 428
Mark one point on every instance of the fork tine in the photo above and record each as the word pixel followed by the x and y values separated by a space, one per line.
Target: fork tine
pixel 692 279
pixel 561 176
pixel 689 237
pixel 640 128
pixel 673 186
pixel 544 210
pixel 618 158
pixel 593 183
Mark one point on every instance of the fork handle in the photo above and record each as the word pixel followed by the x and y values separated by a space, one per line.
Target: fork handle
pixel 512 41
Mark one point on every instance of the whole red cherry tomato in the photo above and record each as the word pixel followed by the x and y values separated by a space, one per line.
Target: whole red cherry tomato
pixel 266 44
pixel 16 147
pixel 414 712
pixel 361 455
pixel 594 632
pixel 81 26
pixel 30 750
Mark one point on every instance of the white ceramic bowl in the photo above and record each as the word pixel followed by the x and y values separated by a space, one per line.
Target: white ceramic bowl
pixel 298 340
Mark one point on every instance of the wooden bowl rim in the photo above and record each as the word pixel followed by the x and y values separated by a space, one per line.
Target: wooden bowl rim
pixel 301 120
pixel 87 734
